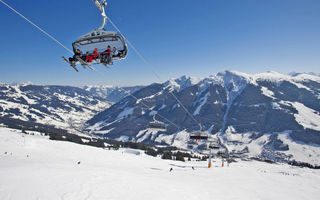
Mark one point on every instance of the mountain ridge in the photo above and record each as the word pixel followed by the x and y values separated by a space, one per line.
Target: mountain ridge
pixel 61 106
pixel 263 108
pixel 267 115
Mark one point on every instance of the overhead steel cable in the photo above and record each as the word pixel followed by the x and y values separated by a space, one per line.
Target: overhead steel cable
pixel 145 105
pixel 153 71
pixel 43 31
pixel 40 29
pixel 66 48
pixel 59 43
pixel 151 109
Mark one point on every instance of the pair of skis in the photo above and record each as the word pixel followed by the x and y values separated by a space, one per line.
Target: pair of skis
pixel 73 65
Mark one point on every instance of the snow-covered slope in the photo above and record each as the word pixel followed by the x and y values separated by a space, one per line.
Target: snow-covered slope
pixel 37 168
pixel 259 109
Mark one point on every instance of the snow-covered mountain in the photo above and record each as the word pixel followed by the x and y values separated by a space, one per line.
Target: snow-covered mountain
pixel 61 106
pixel 267 115
pixel 111 93
pixel 299 73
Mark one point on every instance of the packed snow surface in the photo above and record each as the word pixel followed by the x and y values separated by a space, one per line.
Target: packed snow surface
pixel 35 167
pixel 307 117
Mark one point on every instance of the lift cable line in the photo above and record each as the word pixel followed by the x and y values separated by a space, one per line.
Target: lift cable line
pixel 40 29
pixel 145 105
pixel 194 134
pixel 59 43
pixel 137 52
pixel 153 71
pixel 150 108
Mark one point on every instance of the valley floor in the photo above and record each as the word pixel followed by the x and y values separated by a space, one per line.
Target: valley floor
pixel 34 167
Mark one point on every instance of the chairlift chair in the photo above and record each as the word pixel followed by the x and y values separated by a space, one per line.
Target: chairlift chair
pixel 214 145
pixel 101 39
pixel 199 136
pixel 157 125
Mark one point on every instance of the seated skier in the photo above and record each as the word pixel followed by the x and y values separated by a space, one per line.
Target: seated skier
pixel 87 56
pixel 94 55
pixel 75 57
pixel 106 55
pixel 115 52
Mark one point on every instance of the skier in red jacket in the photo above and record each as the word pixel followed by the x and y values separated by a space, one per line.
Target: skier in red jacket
pixel 95 54
pixel 107 55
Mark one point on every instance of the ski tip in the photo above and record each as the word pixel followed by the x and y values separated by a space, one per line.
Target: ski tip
pixel 75 69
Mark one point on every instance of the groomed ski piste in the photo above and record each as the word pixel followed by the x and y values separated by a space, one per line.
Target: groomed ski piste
pixel 34 167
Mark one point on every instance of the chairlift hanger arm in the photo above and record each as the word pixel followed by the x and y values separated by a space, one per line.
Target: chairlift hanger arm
pixel 200 126
pixel 154 117
pixel 101 4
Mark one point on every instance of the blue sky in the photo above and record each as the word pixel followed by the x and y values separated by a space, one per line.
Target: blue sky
pixel 177 37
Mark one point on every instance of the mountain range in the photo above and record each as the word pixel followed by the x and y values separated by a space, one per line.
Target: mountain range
pixel 111 93
pixel 268 115
pixel 62 106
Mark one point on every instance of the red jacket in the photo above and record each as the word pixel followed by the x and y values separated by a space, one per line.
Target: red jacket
pixel 107 52
pixel 95 54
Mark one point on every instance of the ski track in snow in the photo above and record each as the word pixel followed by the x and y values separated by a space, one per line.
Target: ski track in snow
pixel 51 172
pixel 202 101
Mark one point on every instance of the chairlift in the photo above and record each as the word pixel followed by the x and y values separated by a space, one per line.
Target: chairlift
pixel 199 136
pixel 214 145
pixel 157 125
pixel 100 38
